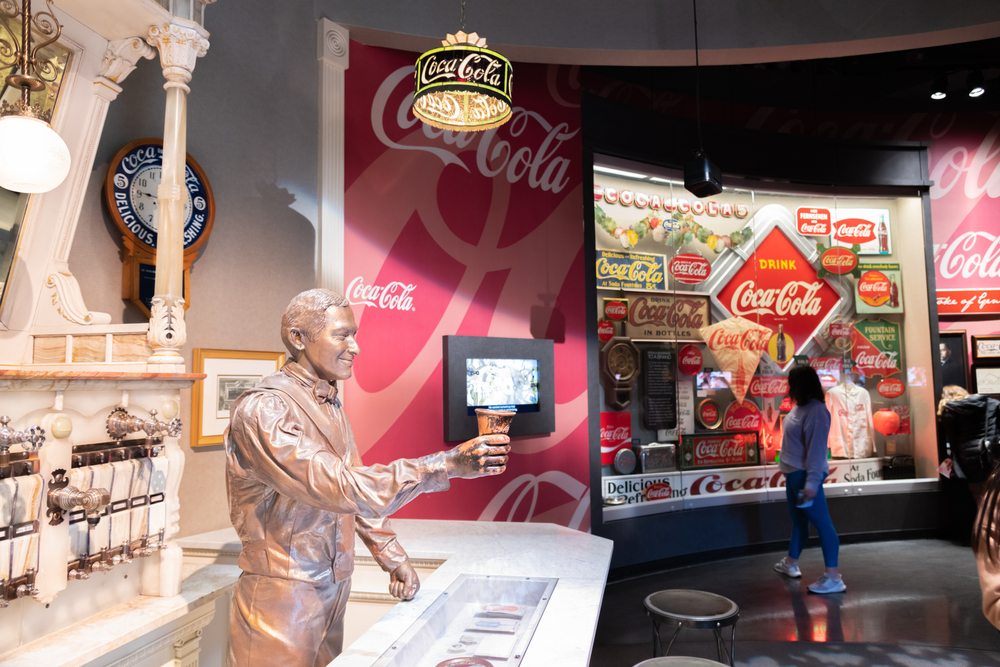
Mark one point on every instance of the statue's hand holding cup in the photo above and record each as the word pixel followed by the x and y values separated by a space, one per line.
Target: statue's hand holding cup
pixel 487 454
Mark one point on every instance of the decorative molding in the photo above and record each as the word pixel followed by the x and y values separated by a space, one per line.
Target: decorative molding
pixel 121 57
pixel 425 563
pixel 68 300
pixel 167 331
pixel 182 634
pixel 210 553
pixel 334 57
pixel 381 598
pixel 180 47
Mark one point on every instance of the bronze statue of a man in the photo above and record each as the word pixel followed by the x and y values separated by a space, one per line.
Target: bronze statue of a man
pixel 298 492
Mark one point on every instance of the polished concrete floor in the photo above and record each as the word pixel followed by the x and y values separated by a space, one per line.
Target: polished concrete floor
pixel 912 603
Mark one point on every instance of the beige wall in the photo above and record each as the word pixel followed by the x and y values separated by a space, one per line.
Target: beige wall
pixel 256 141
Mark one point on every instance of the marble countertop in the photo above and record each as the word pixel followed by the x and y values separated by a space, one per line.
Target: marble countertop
pixel 96 636
pixel 580 561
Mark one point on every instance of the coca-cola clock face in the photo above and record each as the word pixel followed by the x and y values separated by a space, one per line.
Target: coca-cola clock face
pixel 619 362
pixel 773 281
pixel 709 414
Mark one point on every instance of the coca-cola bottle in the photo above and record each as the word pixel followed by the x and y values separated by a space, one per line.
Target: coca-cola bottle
pixel 893 293
pixel 883 236
pixel 782 353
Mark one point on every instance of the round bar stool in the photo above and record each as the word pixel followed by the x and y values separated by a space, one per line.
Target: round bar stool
pixel 692 609
pixel 679 661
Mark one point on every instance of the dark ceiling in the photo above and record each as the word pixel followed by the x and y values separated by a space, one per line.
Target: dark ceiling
pixel 898 81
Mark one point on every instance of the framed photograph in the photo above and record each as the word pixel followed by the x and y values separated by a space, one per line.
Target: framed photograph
pixel 954 358
pixel 986 380
pixel 986 348
pixel 229 374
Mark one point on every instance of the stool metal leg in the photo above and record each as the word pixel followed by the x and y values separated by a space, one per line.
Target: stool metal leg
pixel 672 638
pixel 656 636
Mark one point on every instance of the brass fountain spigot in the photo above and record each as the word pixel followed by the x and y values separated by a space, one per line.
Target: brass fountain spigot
pixel 32 439
pixel 63 498
pixel 121 424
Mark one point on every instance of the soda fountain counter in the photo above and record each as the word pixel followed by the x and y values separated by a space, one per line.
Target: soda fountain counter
pixel 484 563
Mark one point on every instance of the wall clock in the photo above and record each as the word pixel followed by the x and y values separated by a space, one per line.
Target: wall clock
pixel 620 366
pixel 130 192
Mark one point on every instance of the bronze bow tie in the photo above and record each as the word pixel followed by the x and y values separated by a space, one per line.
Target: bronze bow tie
pixel 325 392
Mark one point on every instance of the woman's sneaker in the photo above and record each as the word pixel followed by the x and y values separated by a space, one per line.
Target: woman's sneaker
pixel 790 570
pixel 826 585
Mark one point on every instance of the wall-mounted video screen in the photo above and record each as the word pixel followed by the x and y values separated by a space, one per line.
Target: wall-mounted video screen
pixel 515 374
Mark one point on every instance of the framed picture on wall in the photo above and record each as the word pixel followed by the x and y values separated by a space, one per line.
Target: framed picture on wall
pixel 229 374
pixel 986 380
pixel 954 359
pixel 986 349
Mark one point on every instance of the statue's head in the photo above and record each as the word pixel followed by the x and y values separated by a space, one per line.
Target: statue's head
pixel 319 330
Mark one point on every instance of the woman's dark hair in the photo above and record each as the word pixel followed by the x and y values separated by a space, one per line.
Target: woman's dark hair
pixel 986 533
pixel 804 385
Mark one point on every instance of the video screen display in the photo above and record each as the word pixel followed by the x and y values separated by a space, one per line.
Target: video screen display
pixel 501 384
pixel 713 380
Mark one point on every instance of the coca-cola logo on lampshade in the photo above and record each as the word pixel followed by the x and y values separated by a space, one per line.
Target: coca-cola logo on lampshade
pixel 463 86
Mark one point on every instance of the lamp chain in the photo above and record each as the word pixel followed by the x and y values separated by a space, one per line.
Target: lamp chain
pixel 697 79
pixel 26 48
pixel 463 15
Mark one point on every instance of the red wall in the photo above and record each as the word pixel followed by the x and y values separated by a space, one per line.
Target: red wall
pixel 482 233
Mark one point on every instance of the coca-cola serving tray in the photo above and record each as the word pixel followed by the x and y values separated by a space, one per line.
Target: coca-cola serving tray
pixel 718 450
pixel 773 281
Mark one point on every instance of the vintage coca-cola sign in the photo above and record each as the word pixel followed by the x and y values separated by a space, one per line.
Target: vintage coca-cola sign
pixel 840 329
pixel 690 268
pixel 718 450
pixel 616 309
pixel 768 386
pixel 616 433
pixel 827 364
pixel 392 296
pixel 873 288
pixel 854 230
pixel 891 387
pixel 786 404
pixel 605 330
pixel 876 347
pixel 666 316
pixel 689 359
pixel 813 221
pixel 778 286
pixel 743 416
pixel 658 491
pixel 838 260
pixel 709 413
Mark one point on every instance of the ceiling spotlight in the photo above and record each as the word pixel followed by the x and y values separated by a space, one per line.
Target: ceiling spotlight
pixel 975 83
pixel 939 90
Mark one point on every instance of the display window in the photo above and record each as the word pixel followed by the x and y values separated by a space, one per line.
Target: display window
pixel 705 305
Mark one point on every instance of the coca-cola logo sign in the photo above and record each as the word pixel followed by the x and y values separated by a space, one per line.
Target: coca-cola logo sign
pixel 666 317
pixel 777 286
pixel 873 288
pixel 658 491
pixel 854 230
pixel 605 330
pixel 709 413
pixel 769 386
pixel 840 329
pixel 690 268
pixel 616 309
pixel 876 347
pixel 838 261
pixel 748 341
pixel 827 364
pixel 813 221
pixel 891 387
pixel 616 433
pixel 719 450
pixel 689 360
pixel 741 417
pixel 391 296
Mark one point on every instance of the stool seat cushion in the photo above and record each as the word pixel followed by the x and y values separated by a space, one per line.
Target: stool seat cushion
pixel 679 661
pixel 692 606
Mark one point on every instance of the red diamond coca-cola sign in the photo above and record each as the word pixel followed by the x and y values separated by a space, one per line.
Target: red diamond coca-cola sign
pixel 777 286
pixel 690 268
pixel 616 433
pixel 743 416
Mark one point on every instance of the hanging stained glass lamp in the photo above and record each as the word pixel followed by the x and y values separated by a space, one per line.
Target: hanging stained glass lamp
pixel 463 86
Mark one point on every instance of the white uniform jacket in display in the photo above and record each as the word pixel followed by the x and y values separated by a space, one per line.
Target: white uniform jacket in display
pixel 852 431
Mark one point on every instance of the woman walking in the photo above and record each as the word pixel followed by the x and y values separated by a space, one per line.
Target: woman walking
pixel 803 461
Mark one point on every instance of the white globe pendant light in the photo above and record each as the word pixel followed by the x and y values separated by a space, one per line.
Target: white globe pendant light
pixel 33 158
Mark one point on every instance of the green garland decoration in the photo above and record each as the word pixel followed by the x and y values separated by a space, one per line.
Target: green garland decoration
pixel 675 230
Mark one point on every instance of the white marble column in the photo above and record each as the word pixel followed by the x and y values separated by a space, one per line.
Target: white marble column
pixel 333 47
pixel 180 45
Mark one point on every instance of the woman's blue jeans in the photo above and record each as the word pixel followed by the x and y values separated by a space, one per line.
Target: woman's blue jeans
pixel 818 514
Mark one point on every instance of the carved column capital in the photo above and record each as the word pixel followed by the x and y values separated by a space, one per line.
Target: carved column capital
pixel 180 46
pixel 121 57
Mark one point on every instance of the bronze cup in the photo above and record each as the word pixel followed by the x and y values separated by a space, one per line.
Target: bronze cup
pixel 493 421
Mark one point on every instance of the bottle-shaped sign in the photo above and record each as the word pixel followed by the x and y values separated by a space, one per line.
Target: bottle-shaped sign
pixel 893 293
pixel 782 353
pixel 883 236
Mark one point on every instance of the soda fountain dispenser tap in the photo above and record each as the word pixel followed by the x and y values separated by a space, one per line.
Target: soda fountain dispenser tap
pixel 32 439
pixel 63 498
pixel 121 424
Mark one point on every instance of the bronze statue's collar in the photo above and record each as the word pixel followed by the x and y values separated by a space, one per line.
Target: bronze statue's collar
pixel 323 391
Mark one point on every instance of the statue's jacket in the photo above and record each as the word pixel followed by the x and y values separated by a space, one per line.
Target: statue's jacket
pixel 298 490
